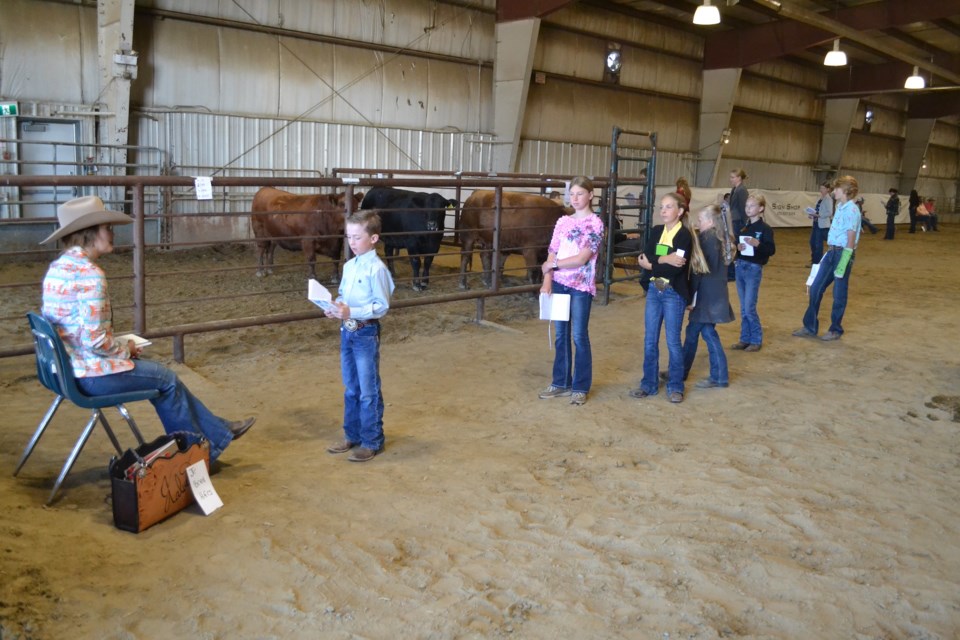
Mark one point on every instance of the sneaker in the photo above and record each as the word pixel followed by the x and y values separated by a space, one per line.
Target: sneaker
pixel 676 397
pixel 554 392
pixel 752 347
pixel 739 346
pixel 803 332
pixel 830 335
pixel 710 383
pixel 578 398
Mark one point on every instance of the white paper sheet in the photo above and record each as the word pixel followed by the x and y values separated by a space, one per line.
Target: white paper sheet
pixel 555 306
pixel 319 295
pixel 137 340
pixel 747 248
pixel 813 274
pixel 203 491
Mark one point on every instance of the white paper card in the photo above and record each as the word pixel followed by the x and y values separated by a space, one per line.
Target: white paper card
pixel 203 491
pixel 555 306
pixel 204 187
pixel 137 340
pixel 319 295
pixel 813 274
pixel 747 248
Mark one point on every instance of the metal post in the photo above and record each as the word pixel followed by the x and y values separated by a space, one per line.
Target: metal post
pixel 139 262
pixel 497 225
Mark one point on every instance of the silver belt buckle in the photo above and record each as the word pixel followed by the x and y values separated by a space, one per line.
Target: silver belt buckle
pixel 351 325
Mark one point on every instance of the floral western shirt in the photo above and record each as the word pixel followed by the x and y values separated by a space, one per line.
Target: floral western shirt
pixel 76 302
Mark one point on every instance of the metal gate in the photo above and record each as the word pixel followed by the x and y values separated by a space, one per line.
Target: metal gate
pixel 628 217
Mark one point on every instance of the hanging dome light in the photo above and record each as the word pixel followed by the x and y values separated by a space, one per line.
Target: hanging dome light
pixel 706 14
pixel 915 81
pixel 835 58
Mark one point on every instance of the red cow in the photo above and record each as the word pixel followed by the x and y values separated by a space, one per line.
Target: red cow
pixel 312 224
pixel 527 223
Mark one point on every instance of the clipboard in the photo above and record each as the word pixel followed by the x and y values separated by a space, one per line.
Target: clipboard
pixel 555 306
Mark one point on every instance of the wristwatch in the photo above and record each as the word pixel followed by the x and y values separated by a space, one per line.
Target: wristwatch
pixel 555 265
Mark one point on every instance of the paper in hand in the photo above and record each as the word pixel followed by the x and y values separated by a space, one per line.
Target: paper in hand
pixel 555 306
pixel 747 248
pixel 319 295
pixel 138 342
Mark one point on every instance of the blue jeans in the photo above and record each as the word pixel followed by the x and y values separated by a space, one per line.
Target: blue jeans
pixel 749 275
pixel 177 408
pixel 574 370
pixel 663 307
pixel 840 285
pixel 817 237
pixel 718 359
pixel 362 398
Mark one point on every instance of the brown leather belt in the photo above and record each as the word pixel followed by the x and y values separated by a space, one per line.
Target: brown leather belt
pixel 352 324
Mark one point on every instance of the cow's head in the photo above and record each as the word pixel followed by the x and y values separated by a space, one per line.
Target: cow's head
pixel 341 200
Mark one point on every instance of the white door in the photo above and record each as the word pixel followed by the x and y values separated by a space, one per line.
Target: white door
pixel 42 156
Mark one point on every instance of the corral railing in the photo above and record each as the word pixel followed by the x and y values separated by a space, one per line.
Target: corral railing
pixel 135 241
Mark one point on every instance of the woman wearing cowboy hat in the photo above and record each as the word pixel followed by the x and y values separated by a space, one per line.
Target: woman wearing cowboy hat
pixel 76 302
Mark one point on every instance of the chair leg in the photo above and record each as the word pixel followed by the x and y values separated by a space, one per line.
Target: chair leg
pixel 133 425
pixel 110 434
pixel 77 448
pixel 39 432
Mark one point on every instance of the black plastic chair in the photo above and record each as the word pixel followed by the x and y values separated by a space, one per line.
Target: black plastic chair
pixel 56 373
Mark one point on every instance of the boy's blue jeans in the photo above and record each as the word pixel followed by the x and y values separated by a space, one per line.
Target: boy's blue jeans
pixel 362 399
pixel 749 275
pixel 825 276
pixel 574 370
pixel 177 408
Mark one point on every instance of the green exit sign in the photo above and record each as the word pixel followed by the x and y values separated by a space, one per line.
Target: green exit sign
pixel 8 108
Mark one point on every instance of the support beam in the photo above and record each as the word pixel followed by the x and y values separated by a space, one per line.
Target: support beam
pixel 716 106
pixel 508 10
pixel 838 122
pixel 915 146
pixel 117 64
pixel 935 104
pixel 516 44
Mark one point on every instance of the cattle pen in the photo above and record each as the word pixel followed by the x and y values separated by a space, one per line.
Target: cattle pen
pixel 184 223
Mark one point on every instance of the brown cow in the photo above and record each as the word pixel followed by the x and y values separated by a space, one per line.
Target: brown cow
pixel 312 224
pixel 527 223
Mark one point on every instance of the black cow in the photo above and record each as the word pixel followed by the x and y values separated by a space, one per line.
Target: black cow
pixel 413 221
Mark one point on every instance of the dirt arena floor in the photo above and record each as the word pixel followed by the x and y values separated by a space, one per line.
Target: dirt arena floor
pixel 817 497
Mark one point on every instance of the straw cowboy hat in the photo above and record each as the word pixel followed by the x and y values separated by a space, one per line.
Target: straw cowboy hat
pixel 81 213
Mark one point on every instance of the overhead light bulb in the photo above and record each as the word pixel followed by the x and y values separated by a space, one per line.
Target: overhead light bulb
pixel 915 81
pixel 706 14
pixel 835 58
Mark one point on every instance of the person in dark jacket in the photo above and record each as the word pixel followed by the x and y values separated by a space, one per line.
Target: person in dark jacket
pixel 913 203
pixel 711 302
pixel 754 248
pixel 672 251
pixel 893 210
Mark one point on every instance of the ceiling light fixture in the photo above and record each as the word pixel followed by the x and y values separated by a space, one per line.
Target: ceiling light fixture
pixel 915 81
pixel 706 14
pixel 835 58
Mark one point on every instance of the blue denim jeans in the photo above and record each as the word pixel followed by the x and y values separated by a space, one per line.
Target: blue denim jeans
pixel 573 369
pixel 817 237
pixel 177 408
pixel 749 275
pixel 718 359
pixel 362 398
pixel 840 286
pixel 663 308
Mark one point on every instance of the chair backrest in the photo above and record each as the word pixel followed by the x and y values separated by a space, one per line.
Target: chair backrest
pixel 53 362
